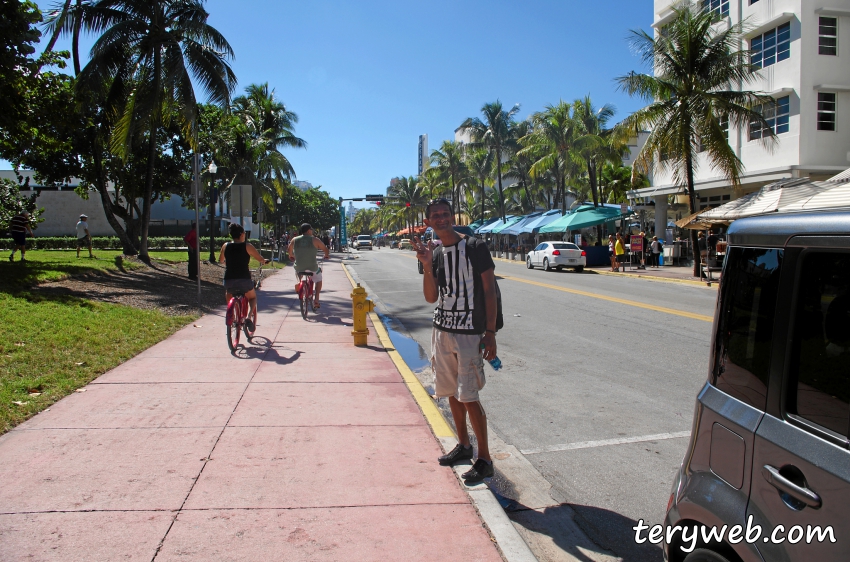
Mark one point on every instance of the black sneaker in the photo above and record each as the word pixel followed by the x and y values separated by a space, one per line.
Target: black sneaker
pixel 479 471
pixel 459 453
pixel 249 324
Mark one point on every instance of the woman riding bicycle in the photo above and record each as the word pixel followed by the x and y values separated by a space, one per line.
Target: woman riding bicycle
pixel 236 256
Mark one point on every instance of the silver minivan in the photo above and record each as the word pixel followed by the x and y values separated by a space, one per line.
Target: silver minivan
pixel 769 456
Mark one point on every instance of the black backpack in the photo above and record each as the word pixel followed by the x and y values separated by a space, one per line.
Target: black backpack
pixel 438 258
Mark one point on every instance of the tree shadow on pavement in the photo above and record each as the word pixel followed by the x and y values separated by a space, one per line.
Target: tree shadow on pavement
pixel 609 531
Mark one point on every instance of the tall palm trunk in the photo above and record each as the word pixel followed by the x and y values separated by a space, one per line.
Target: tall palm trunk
pixel 692 204
pixel 499 174
pixel 148 194
pixel 75 39
pixel 481 218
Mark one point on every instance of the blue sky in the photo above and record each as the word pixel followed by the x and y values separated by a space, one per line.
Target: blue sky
pixel 367 77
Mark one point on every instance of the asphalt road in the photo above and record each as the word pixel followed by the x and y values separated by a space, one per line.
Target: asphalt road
pixel 597 390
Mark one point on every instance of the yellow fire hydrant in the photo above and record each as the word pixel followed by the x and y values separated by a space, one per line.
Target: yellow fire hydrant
pixel 360 306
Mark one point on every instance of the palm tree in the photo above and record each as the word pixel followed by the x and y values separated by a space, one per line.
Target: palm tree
pixel 410 199
pixel 495 132
pixel 148 52
pixel 267 127
pixel 433 183
pixel 64 21
pixel 449 160
pixel 479 162
pixel 551 144
pixel 695 65
pixel 598 149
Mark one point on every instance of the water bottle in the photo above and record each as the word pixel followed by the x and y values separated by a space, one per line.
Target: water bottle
pixel 495 362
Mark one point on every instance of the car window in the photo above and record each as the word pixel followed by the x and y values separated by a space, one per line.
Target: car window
pixel 745 330
pixel 565 246
pixel 539 247
pixel 820 353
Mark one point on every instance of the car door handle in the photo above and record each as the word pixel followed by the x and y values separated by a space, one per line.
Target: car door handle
pixel 808 497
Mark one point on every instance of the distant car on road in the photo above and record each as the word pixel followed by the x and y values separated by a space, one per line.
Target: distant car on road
pixel 405 243
pixel 394 244
pixel 558 255
pixel 769 449
pixel 363 242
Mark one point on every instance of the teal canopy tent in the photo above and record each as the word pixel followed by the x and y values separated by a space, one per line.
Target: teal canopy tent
pixel 502 227
pixel 487 228
pixel 584 217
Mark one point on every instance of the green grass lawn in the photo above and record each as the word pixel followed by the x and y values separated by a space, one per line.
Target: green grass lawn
pixel 52 345
pixel 49 347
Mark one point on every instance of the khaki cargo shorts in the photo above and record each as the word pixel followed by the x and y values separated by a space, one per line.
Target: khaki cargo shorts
pixel 457 364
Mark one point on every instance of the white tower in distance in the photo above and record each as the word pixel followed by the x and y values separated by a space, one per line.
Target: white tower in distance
pixel 423 154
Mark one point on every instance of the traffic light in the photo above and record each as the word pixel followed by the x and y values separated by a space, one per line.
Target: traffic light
pixel 379 203
pixel 408 203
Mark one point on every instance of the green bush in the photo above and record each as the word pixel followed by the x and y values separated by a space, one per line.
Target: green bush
pixel 106 243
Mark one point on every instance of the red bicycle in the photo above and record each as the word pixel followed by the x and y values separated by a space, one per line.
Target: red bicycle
pixel 237 319
pixel 305 292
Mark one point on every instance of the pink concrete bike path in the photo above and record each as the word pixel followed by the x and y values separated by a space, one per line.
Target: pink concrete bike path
pixel 299 447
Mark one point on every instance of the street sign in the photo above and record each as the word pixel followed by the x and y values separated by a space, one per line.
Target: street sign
pixel 636 244
pixel 374 198
pixel 241 201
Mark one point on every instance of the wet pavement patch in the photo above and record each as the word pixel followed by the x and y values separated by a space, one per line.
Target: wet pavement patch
pixel 407 347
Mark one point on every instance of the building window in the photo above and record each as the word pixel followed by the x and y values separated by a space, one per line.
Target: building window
pixel 771 47
pixel 828 36
pixel 775 114
pixel 718 7
pixel 826 111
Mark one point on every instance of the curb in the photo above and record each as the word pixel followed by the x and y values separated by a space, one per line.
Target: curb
pixel 505 535
pixel 634 275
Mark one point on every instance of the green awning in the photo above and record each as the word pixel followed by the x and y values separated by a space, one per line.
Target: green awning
pixel 584 217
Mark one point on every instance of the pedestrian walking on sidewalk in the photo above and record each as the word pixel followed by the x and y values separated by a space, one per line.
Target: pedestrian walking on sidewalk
pixel 619 252
pixel 611 254
pixel 656 251
pixel 459 277
pixel 191 240
pixel 83 235
pixel 20 226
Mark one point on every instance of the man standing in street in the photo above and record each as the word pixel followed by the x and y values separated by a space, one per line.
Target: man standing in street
pixel 191 240
pixel 20 226
pixel 459 277
pixel 302 250
pixel 83 235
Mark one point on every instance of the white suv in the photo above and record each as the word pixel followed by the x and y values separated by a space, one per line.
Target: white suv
pixel 364 241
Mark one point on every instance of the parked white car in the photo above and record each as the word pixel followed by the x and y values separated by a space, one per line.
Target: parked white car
pixel 556 255
pixel 364 242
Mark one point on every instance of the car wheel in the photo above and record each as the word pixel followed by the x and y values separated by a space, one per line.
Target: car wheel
pixel 546 265
pixel 705 555
pixel 528 263
pixel 579 269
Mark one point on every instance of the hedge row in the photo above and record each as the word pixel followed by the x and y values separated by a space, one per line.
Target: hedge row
pixel 103 243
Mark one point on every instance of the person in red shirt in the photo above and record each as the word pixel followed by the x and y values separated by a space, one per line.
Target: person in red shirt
pixel 191 240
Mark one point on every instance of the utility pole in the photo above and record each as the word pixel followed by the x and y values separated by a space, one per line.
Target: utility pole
pixel 213 169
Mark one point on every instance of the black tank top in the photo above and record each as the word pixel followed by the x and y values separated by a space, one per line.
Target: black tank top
pixel 236 260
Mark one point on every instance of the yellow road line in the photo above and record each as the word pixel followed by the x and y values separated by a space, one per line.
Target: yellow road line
pixel 663 309
pixel 614 299
pixel 426 404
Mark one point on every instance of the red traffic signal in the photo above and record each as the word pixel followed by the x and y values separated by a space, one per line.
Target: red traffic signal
pixel 408 203
pixel 379 203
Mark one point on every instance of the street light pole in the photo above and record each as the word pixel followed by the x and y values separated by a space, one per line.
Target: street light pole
pixel 213 169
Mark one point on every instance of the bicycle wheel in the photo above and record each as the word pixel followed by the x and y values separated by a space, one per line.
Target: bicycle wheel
pixel 250 325
pixel 302 295
pixel 234 317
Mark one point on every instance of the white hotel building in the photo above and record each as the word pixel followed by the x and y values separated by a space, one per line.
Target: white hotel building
pixel 803 47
